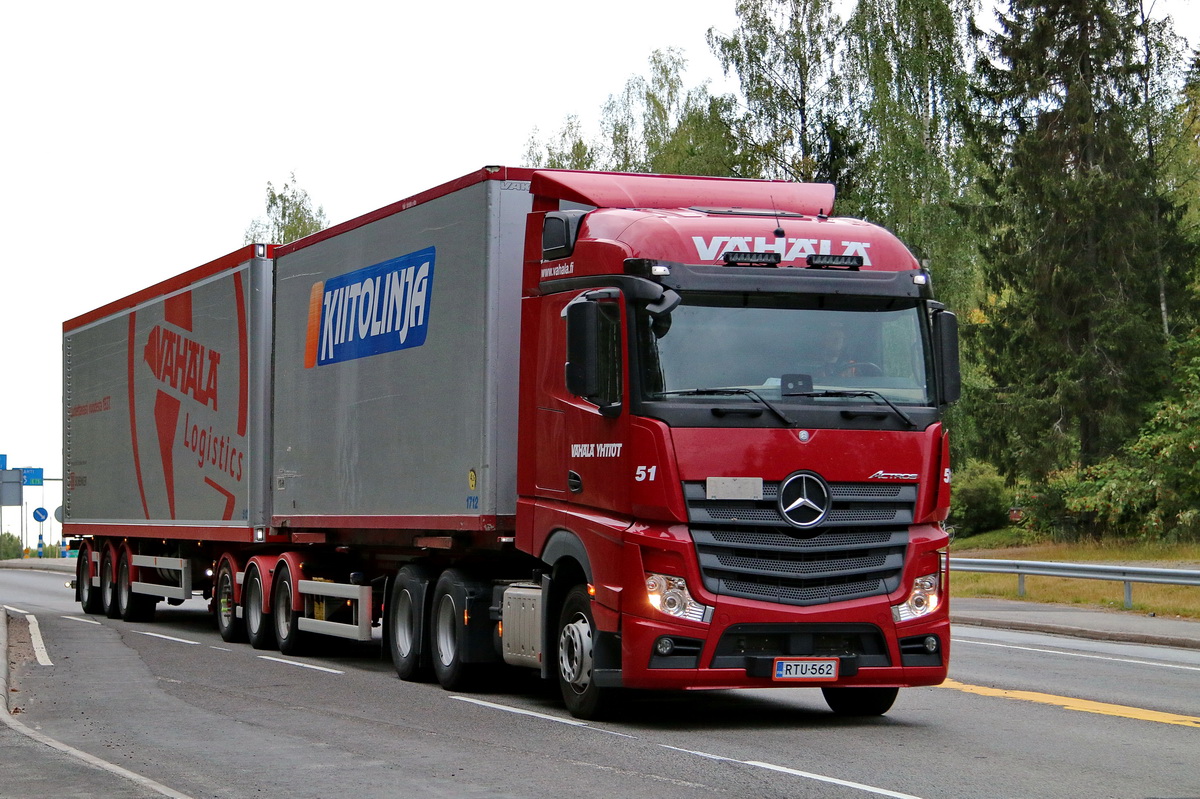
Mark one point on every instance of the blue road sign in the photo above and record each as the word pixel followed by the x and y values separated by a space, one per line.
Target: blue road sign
pixel 40 515
pixel 31 477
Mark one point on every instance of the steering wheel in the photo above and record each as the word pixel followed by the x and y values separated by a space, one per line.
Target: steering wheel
pixel 862 369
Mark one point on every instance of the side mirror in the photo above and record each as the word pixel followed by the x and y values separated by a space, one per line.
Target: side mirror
pixel 583 342
pixel 945 343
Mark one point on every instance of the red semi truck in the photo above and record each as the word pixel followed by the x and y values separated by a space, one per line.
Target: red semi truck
pixel 633 431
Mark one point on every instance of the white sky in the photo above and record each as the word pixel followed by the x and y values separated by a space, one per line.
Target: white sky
pixel 137 138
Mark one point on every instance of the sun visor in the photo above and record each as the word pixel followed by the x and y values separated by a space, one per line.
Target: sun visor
pixel 620 190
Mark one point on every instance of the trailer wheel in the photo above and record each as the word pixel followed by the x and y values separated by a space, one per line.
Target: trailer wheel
pixel 287 621
pixel 448 631
pixel 258 624
pixel 232 629
pixel 131 606
pixel 860 701
pixel 576 657
pixel 408 608
pixel 88 594
pixel 108 586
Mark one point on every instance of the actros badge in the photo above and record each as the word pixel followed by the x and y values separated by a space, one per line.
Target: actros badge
pixel 804 499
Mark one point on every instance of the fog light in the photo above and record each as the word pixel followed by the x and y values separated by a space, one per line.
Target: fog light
pixel 664 646
pixel 669 594
pixel 924 599
pixel 931 643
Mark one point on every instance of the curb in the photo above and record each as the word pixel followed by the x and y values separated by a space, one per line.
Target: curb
pixel 4 659
pixel 1079 632
pixel 57 565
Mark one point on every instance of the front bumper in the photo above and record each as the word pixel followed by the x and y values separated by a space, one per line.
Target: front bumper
pixel 870 647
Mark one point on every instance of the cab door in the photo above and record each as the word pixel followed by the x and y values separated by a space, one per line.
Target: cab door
pixel 588 400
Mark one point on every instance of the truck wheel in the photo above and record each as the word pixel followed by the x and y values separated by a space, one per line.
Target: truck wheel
pixel 131 606
pixel 232 629
pixel 258 624
pixel 408 606
pixel 860 701
pixel 88 594
pixel 287 621
pixel 447 632
pixel 108 586
pixel 576 657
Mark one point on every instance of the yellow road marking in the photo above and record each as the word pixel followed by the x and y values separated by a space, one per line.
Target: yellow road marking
pixel 1083 705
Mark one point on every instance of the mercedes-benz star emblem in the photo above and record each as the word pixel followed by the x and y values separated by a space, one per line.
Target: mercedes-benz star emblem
pixel 804 499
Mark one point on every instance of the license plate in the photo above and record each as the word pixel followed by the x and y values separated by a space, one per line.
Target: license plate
pixel 806 669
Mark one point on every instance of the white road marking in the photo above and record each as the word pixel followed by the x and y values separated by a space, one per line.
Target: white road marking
pixel 82 619
pixel 71 751
pixel 301 665
pixel 112 768
pixel 700 754
pixel 169 638
pixel 1077 654
pixel 519 712
pixel 39 646
pixel 832 780
pixel 755 763
pixel 16 610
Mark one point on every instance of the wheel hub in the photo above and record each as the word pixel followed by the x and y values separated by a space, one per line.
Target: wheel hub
pixel 575 654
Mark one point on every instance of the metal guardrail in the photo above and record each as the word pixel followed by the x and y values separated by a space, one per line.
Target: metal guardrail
pixel 1080 571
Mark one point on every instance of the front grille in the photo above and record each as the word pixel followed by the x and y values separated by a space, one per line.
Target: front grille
pixel 746 549
pixel 853 504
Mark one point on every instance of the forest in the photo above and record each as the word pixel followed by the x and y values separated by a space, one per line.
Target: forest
pixel 1043 158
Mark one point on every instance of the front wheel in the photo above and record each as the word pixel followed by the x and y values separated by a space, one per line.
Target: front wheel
pixel 577 657
pixel 860 701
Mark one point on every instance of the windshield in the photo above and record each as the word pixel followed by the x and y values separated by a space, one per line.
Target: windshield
pixel 788 348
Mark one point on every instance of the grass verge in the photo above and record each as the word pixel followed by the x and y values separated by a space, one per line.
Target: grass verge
pixel 1015 544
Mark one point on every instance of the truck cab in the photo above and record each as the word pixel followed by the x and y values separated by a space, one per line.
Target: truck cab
pixel 731 437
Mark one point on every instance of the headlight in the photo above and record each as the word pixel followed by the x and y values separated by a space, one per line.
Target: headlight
pixel 925 597
pixel 669 595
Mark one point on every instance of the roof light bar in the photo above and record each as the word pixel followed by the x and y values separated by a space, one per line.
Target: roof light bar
pixel 853 262
pixel 752 258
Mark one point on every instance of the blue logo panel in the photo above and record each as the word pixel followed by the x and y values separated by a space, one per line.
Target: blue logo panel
pixel 378 309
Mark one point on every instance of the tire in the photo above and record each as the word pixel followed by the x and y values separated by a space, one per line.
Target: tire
pixel 259 628
pixel 447 634
pixel 87 594
pixel 131 606
pixel 408 615
pixel 576 658
pixel 287 620
pixel 860 701
pixel 232 629
pixel 108 586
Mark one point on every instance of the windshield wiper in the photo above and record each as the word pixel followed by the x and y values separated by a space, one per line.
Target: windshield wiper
pixel 718 392
pixel 860 393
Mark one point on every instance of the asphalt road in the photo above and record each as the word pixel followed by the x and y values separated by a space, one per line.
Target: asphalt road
pixel 1025 715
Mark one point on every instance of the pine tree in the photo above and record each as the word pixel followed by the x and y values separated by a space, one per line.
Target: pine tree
pixel 1074 231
